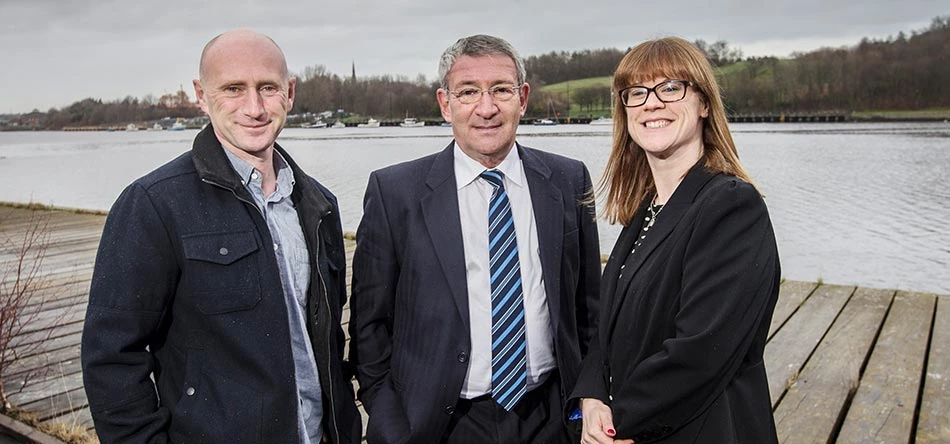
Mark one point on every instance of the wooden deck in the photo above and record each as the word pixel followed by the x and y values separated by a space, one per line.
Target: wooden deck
pixel 845 364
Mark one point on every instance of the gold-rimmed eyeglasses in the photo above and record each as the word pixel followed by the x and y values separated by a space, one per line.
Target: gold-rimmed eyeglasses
pixel 500 93
pixel 668 91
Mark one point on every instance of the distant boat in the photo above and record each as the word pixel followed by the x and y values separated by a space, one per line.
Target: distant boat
pixel 317 124
pixel 446 124
pixel 338 124
pixel 545 122
pixel 178 126
pixel 156 127
pixel 602 121
pixel 410 122
pixel 131 127
pixel 371 123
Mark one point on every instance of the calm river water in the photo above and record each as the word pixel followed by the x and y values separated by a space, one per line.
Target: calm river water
pixel 864 204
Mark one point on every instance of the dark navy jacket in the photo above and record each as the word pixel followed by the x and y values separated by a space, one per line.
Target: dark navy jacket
pixel 409 323
pixel 186 292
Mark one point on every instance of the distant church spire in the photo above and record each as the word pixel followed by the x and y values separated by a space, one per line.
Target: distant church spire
pixel 354 72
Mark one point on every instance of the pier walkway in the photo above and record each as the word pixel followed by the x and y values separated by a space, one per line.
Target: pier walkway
pixel 846 364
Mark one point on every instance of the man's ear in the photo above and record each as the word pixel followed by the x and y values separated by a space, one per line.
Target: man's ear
pixel 291 92
pixel 525 90
pixel 200 94
pixel 443 97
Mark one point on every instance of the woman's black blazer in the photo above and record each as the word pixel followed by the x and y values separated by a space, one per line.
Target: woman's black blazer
pixel 684 319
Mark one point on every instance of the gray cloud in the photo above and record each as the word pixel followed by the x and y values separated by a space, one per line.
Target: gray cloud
pixel 57 52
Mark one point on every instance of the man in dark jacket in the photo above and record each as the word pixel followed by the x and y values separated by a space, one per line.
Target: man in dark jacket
pixel 215 308
pixel 476 273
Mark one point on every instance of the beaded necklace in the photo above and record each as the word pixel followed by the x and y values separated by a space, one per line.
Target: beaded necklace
pixel 653 211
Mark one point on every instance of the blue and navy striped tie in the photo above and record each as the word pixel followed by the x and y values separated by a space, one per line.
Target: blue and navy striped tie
pixel 508 362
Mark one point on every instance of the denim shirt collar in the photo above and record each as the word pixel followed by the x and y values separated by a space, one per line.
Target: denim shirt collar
pixel 285 176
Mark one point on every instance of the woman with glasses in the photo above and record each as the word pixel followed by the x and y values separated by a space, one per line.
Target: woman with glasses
pixel 689 289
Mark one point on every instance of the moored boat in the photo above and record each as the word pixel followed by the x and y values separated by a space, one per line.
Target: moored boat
pixel 411 122
pixel 371 123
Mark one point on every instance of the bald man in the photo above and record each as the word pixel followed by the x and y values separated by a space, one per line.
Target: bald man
pixel 215 306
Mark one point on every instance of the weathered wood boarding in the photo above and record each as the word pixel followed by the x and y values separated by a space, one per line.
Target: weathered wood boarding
pixel 933 425
pixel 790 347
pixel 811 409
pixel 883 408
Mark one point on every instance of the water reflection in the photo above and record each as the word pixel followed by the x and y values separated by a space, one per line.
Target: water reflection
pixel 862 204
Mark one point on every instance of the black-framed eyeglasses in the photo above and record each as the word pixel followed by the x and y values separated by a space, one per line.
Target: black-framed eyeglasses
pixel 668 91
pixel 501 93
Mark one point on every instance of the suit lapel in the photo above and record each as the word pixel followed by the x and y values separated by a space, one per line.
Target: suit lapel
pixel 666 221
pixel 440 209
pixel 611 275
pixel 548 205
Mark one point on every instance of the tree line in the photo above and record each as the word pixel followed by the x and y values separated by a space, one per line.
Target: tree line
pixel 93 112
pixel 895 73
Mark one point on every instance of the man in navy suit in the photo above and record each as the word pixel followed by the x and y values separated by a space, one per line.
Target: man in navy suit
pixel 476 273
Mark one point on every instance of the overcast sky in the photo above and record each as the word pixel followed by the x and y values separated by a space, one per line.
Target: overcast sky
pixel 55 52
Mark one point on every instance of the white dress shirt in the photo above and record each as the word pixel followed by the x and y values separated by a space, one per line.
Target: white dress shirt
pixel 474 196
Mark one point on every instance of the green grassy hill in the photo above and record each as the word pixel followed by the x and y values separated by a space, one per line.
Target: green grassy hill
pixel 572 86
pixel 563 87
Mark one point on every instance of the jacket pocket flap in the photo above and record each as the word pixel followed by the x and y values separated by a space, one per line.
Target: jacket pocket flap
pixel 219 248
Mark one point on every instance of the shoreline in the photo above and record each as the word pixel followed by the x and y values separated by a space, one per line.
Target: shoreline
pixel 921 116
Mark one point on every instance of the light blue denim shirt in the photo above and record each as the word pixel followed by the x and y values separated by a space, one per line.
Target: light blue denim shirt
pixel 293 260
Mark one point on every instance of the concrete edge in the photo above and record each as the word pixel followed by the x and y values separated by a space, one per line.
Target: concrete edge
pixel 25 432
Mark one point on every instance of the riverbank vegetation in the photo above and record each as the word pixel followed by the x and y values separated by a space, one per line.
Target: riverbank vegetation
pixel 889 78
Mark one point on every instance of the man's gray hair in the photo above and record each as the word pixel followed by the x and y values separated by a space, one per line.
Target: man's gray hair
pixel 475 46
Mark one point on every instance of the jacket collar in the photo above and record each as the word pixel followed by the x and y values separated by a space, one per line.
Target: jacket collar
pixel 680 201
pixel 213 166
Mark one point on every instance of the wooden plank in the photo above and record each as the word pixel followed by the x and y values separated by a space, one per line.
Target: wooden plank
pixel 66 230
pixel 933 426
pixel 55 317
pixel 58 404
pixel 790 297
pixel 61 285
pixel 58 301
pixel 52 385
pixel 18 216
pixel 882 410
pixel 45 357
pixel 813 406
pixel 68 337
pixel 787 351
pixel 28 339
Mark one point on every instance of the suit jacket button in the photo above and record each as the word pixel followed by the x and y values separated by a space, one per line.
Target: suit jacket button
pixel 449 410
pixel 463 357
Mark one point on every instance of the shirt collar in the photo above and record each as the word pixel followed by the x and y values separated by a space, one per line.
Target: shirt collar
pixel 468 169
pixel 285 176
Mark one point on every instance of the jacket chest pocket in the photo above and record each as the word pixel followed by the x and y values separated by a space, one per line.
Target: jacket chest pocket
pixel 221 271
